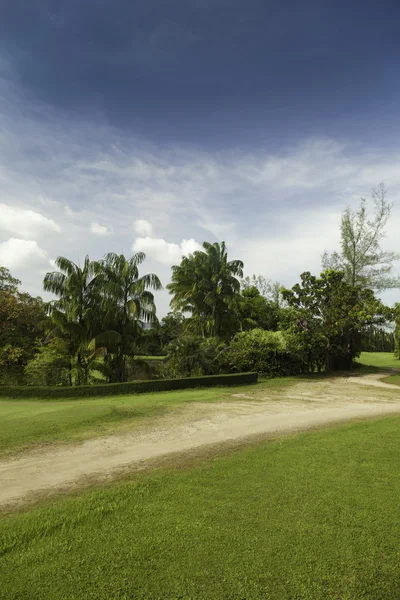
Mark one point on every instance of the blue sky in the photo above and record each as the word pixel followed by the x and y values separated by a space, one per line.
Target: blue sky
pixel 156 125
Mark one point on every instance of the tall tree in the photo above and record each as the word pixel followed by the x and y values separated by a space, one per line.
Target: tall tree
pixel 205 284
pixel 76 312
pixel 8 283
pixel 271 290
pixel 23 322
pixel 255 311
pixel 128 303
pixel 361 258
pixel 329 315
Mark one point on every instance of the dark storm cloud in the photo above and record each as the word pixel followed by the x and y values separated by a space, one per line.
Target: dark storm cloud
pixel 189 68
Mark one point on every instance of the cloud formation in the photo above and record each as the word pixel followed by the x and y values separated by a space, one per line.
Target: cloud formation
pixel 164 252
pixel 23 255
pixel 98 229
pixel 143 227
pixel 277 210
pixel 25 223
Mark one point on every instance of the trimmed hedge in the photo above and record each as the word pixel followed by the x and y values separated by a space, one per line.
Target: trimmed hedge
pixel 131 387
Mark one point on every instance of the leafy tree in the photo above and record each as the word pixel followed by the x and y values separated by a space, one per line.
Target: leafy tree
pixel 271 353
pixel 76 314
pixel 205 284
pixel 377 339
pixel 50 365
pixel 255 311
pixel 23 322
pixel 190 355
pixel 329 316
pixel 127 304
pixel 171 327
pixel 8 283
pixel 271 290
pixel 362 259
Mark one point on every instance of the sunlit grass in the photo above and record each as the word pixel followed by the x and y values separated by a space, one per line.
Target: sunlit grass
pixel 313 516
pixel 24 423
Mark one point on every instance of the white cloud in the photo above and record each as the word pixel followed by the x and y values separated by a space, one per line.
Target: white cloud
pixel 143 227
pixel 165 252
pixel 22 254
pixel 25 223
pixel 277 210
pixel 98 229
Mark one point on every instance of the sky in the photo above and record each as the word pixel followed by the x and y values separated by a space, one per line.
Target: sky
pixel 152 126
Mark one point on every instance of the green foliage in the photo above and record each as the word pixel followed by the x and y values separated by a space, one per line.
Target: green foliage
pixel 271 290
pixel 8 283
pixel 362 260
pixel 22 320
pixel 50 365
pixel 171 328
pixel 205 285
pixel 255 311
pixel 190 355
pixel 270 353
pixel 377 339
pixel 100 311
pixel 131 387
pixel 127 303
pixel 329 315
pixel 76 314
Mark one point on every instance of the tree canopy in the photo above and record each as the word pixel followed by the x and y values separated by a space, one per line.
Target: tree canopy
pixel 206 285
pixel 362 259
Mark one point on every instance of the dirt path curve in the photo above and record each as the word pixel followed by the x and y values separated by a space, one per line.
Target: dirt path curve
pixel 303 406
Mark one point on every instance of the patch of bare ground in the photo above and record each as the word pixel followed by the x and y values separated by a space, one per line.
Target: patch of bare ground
pixel 196 427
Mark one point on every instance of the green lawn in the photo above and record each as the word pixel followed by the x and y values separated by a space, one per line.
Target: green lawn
pixel 314 516
pixel 24 423
pixel 394 379
pixel 379 359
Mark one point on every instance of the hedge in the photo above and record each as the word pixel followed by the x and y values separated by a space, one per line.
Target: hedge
pixel 131 387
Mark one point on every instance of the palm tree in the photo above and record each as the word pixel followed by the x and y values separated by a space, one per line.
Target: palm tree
pixel 127 302
pixel 206 285
pixel 75 313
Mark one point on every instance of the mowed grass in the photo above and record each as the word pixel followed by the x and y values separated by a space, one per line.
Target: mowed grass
pixel 393 379
pixel 384 360
pixel 25 423
pixel 314 516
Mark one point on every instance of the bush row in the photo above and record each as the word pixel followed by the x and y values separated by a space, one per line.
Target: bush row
pixel 132 387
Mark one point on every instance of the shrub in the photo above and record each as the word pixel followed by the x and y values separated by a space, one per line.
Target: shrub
pixel 132 387
pixel 50 366
pixel 271 353
pixel 191 355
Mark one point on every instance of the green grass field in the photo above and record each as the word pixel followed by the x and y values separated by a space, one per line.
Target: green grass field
pixel 314 516
pixel 379 359
pixel 394 379
pixel 24 423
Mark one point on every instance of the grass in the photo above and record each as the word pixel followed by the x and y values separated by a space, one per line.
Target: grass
pixel 152 358
pixel 394 379
pixel 385 360
pixel 24 423
pixel 313 516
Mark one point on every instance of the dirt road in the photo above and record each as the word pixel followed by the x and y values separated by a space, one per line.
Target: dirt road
pixel 306 405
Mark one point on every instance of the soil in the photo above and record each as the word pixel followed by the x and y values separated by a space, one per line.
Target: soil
pixel 309 404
